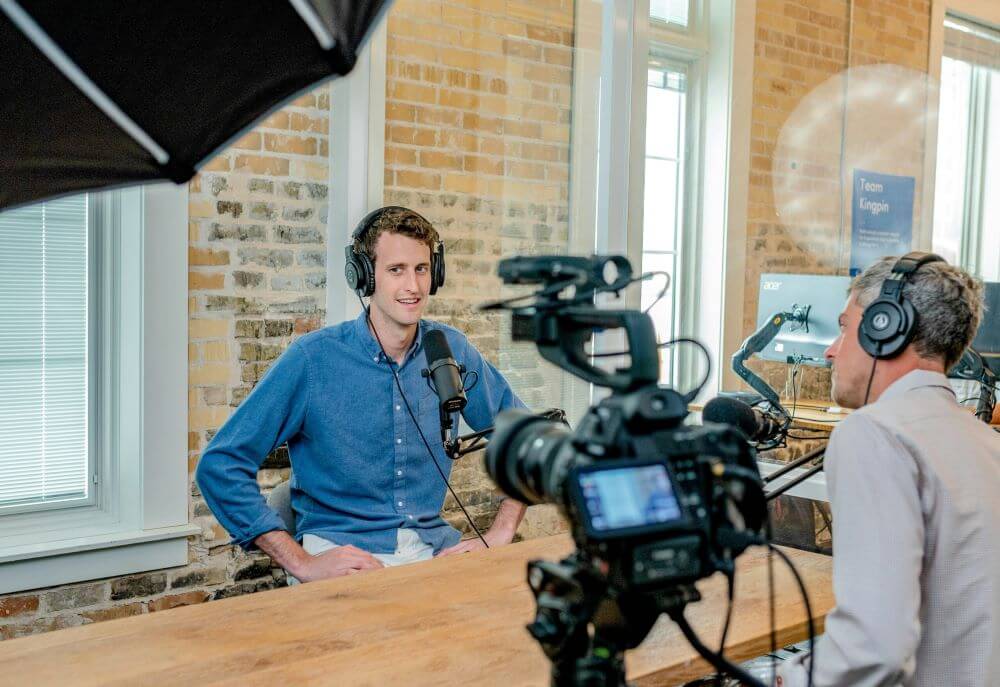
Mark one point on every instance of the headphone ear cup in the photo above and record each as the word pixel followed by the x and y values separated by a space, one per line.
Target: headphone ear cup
pixel 359 273
pixel 352 270
pixel 367 275
pixel 437 268
pixel 887 326
pixel 908 329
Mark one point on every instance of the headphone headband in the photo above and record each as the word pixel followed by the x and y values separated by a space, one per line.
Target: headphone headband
pixel 912 261
pixel 359 268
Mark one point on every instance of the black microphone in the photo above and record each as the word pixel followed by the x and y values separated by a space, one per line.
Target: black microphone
pixel 444 372
pixel 757 425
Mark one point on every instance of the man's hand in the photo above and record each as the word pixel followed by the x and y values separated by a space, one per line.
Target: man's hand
pixel 501 533
pixel 475 544
pixel 343 560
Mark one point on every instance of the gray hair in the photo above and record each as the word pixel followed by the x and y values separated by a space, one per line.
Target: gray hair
pixel 948 301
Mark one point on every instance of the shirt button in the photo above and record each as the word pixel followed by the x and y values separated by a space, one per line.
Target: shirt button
pixel 399 503
pixel 397 407
pixel 399 441
pixel 410 517
pixel 375 358
pixel 399 472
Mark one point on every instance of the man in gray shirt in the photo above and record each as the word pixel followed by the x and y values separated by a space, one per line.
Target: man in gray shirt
pixel 914 484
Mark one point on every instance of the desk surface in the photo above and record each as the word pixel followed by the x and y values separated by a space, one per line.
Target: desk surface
pixel 814 415
pixel 454 621
pixel 808 414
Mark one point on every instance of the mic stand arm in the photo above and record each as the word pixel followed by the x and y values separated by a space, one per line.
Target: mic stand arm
pixel 771 495
pixel 451 446
pixel 477 443
pixel 791 465
pixel 755 343
pixel 987 395
pixel 456 450
pixel 973 367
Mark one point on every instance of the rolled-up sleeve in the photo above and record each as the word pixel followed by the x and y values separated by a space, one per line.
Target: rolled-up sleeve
pixel 872 634
pixel 268 417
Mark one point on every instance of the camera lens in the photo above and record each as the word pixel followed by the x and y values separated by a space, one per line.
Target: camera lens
pixel 528 457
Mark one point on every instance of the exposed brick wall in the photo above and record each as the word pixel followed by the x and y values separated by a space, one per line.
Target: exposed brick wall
pixel 799 45
pixel 257 270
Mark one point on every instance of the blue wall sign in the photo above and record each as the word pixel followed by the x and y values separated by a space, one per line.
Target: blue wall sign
pixel 881 217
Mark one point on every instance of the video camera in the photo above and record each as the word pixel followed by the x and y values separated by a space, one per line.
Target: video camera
pixel 654 504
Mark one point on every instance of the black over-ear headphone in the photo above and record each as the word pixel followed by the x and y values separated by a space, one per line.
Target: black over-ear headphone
pixel 890 321
pixel 359 268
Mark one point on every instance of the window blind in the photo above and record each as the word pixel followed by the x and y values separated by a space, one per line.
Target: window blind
pixel 43 353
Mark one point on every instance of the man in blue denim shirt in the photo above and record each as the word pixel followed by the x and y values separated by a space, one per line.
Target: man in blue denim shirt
pixel 364 490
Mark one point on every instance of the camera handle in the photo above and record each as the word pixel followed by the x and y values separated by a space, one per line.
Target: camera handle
pixel 562 335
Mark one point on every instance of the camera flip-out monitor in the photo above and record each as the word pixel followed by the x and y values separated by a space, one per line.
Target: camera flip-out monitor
pixel 625 498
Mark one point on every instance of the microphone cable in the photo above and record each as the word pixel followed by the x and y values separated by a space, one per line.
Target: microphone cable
pixel 770 600
pixel 690 395
pixel 430 451
pixel 718 662
pixel 805 598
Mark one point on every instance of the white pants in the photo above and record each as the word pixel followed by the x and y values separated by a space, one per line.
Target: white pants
pixel 409 549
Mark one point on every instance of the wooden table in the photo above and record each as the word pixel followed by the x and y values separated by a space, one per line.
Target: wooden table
pixel 453 621
pixel 814 414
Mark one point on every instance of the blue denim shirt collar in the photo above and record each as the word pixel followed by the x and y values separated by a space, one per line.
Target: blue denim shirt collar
pixel 371 347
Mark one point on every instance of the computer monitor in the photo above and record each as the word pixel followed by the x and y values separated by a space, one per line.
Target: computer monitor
pixel 824 295
pixel 987 341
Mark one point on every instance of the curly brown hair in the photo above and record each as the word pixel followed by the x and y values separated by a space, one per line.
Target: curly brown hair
pixel 396 220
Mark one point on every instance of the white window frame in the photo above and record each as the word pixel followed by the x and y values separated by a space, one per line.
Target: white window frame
pixel 139 520
pixel 356 162
pixel 983 11
pixel 692 50
pixel 720 97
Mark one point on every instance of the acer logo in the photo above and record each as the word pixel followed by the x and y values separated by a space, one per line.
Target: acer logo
pixel 771 285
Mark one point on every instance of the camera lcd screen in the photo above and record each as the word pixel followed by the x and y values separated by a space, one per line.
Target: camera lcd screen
pixel 628 497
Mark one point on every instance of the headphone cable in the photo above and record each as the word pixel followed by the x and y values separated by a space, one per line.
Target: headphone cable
pixel 416 424
pixel 871 377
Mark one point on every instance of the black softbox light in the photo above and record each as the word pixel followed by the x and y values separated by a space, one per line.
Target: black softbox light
pixel 113 92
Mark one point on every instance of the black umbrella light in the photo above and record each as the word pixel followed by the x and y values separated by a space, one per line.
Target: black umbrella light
pixel 113 92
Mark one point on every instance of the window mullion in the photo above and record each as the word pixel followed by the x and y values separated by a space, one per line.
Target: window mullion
pixel 972 216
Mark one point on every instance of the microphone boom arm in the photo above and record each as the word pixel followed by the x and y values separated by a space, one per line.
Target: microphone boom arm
pixel 795 481
pixel 455 449
pixel 755 343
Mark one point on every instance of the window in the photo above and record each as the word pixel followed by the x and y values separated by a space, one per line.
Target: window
pixel 670 11
pixel 44 459
pixel 697 57
pixel 93 360
pixel 968 151
pixel 663 190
